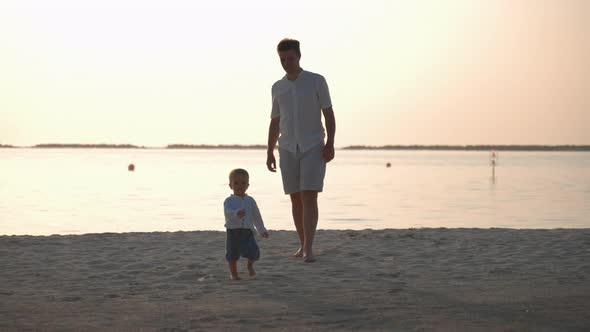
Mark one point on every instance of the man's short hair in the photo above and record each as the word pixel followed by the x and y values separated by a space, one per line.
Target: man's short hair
pixel 289 44
pixel 237 172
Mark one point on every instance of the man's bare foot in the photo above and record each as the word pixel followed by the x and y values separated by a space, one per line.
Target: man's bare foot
pixel 298 253
pixel 234 277
pixel 308 258
pixel 251 269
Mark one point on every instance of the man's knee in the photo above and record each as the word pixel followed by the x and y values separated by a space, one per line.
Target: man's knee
pixel 309 197
pixel 296 198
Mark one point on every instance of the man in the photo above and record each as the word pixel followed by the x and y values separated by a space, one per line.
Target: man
pixel 298 100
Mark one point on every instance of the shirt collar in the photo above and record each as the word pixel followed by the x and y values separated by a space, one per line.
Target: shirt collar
pixel 285 78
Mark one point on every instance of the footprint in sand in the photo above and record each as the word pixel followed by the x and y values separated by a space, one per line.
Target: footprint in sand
pixel 194 266
pixel 71 299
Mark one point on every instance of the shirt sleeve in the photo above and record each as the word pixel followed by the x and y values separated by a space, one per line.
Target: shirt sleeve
pixel 324 93
pixel 275 111
pixel 257 218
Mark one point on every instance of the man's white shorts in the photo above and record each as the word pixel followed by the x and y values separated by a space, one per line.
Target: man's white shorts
pixel 302 171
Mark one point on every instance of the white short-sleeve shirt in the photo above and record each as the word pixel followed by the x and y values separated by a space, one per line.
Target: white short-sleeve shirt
pixel 299 104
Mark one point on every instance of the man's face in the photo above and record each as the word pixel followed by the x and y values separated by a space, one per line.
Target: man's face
pixel 289 61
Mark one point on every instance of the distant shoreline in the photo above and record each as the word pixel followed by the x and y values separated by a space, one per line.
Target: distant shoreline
pixel 473 147
pixel 219 146
pixel 352 147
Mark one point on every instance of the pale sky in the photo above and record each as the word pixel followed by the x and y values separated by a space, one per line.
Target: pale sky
pixel 154 72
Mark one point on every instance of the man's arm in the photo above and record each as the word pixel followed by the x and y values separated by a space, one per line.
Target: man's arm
pixel 273 136
pixel 330 121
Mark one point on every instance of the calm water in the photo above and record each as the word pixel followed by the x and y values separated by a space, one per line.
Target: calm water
pixel 75 191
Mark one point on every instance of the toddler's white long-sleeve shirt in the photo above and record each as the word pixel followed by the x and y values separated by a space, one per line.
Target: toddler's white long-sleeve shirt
pixel 252 220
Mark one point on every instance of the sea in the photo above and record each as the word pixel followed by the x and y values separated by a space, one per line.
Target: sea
pixel 45 191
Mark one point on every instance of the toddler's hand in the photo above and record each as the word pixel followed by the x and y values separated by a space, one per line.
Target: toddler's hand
pixel 241 213
pixel 265 235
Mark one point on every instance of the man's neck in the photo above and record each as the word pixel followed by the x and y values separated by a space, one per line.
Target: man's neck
pixel 293 76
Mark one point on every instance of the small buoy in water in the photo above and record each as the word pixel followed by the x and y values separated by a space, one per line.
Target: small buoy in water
pixel 388 165
pixel 131 167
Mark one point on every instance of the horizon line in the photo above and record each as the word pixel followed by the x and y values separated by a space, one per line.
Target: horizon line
pixel 474 147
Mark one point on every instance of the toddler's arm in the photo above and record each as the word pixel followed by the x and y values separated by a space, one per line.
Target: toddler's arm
pixel 258 222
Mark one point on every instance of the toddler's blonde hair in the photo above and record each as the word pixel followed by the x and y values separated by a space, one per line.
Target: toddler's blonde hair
pixel 238 171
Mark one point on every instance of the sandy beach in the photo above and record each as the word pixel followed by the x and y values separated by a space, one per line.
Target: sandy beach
pixel 372 280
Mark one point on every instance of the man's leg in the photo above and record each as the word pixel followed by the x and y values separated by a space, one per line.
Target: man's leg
pixel 297 211
pixel 310 222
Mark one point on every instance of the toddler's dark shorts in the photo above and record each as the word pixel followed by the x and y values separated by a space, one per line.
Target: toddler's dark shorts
pixel 240 242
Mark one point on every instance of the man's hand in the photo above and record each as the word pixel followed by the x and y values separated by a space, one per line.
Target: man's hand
pixel 271 163
pixel 241 213
pixel 328 153
pixel 265 235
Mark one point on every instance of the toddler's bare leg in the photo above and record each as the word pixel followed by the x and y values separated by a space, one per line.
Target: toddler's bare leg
pixel 251 268
pixel 233 269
